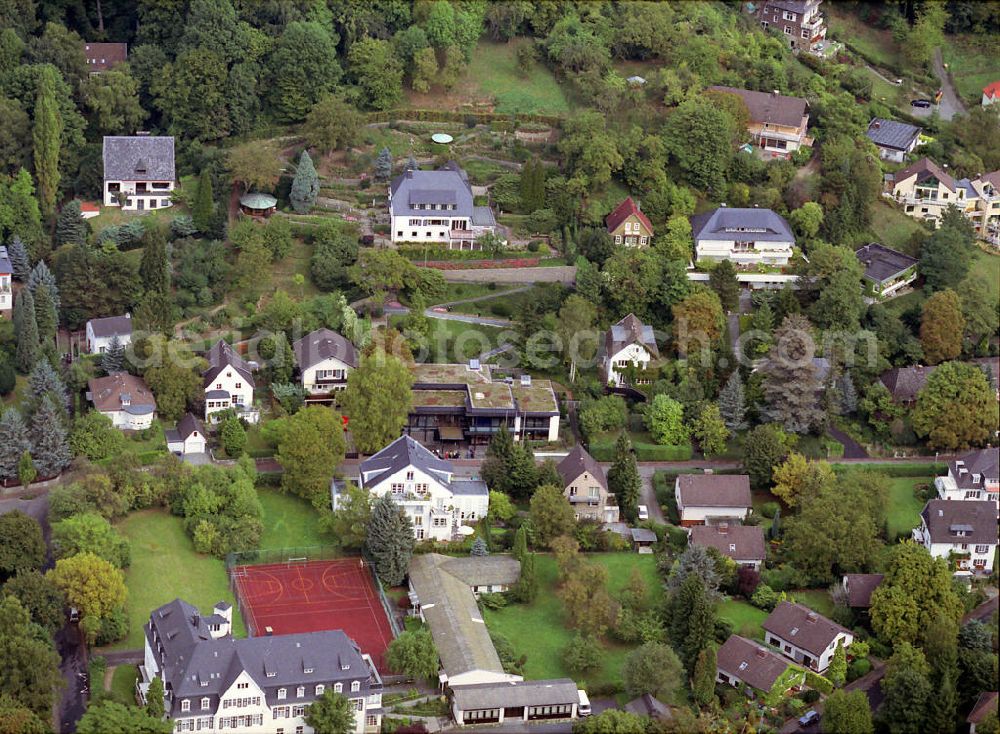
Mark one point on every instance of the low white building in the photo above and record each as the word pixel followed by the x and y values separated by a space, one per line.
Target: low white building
pixel 437 502
pixel 187 438
pixel 707 499
pixel 963 533
pixel 629 346
pixel 6 274
pixel 894 140
pixel 745 236
pixel 974 477
pixel 228 383
pixel 324 358
pixel 802 635
pixel 138 171
pixel 123 398
pixel 101 332
pixel 264 685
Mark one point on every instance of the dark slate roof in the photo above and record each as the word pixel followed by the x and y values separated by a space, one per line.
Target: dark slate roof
pixel 859 588
pixel 622 212
pixel 642 535
pixel 776 109
pixel 803 627
pixel 102 56
pixel 796 6
pixel 576 462
pixel 924 169
pixel 401 453
pixel 482 216
pixel 323 344
pixel 469 487
pixel 945 518
pixel 125 155
pixel 111 326
pixel 714 490
pixel 216 394
pixel 905 382
pixel 882 263
pixel 556 692
pixel 649 705
pixel 630 331
pixel 187 425
pixel 751 662
pixel 220 356
pixel 195 666
pixel 444 186
pixel 747 539
pixel 483 570
pixel 727 222
pixel 985 463
pixel 892 134
pixel 5 267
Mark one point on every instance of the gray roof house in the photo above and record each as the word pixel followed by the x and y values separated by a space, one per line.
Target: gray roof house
pixel 139 158
pixel 894 140
pixel 628 341
pixel 222 355
pixel 743 235
pixel 905 383
pixel 522 700
pixel 706 498
pixel 859 588
pixel 804 636
pixel 586 486
pixel 203 667
pixel 964 532
pixel 324 358
pixel 886 270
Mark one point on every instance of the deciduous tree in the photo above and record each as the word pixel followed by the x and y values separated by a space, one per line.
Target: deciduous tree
pixel 551 515
pixel 723 281
pixel 653 668
pixel 765 447
pixel 303 68
pixel 376 70
pixel 907 690
pixel 665 421
pixel 44 601
pixel 203 209
pixel 377 400
pixel 254 165
pixel 31 664
pixel 22 547
pixel 799 478
pixel 88 532
pixel 331 124
pixel 413 654
pixel 941 327
pixel 848 712
pixel 349 522
pixel 310 446
pixel 957 408
pixel 110 717
pixel 710 430
pixel 92 585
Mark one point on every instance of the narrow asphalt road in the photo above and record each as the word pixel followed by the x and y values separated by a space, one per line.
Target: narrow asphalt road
pixel 852 449
pixel 950 104
pixel 74 673
pixel 871 684
pixel 984 612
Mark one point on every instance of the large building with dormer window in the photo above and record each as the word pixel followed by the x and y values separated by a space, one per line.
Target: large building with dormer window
pixel 973 477
pixel 264 685
pixel 963 533
pixel 228 383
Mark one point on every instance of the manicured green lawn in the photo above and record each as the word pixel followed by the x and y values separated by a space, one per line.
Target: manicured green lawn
pixel 493 70
pixel 893 228
pixel 745 618
pixel 289 521
pixel 123 683
pixel 984 262
pixel 973 62
pixel 537 630
pixel 164 567
pixel 816 599
pixel 904 507
pixel 296 262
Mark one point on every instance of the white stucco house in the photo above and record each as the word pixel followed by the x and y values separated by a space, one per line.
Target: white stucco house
pixel 437 502
pixel 6 274
pixel 101 332
pixel 708 499
pixel 745 236
pixel 964 533
pixel 802 635
pixel 187 438
pixel 973 477
pixel 265 685
pixel 139 172
pixel 123 398
pixel 628 344
pixel 228 383
pixel 324 358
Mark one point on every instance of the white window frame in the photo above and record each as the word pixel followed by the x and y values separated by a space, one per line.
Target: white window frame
pixel 282 694
pixel 185 705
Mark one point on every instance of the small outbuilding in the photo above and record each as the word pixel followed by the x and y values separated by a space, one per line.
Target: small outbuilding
pixel 257 204
pixel 187 438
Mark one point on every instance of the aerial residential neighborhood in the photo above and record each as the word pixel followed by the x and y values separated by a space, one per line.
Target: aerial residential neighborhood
pixel 411 366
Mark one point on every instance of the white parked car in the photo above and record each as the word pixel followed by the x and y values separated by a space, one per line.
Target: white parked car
pixel 643 512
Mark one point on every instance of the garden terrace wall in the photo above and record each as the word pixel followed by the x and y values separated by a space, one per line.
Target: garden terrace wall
pixel 481 118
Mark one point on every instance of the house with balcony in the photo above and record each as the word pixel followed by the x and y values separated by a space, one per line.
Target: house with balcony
pixel 752 668
pixel 139 171
pixel 324 358
pixel 228 384
pixel 973 477
pixel 628 226
pixel 101 57
pixel 886 270
pixel 123 398
pixel 894 140
pixel 743 543
pixel 215 682
pixel 100 333
pixel 744 236
pixel 456 404
pixel 712 499
pixel 627 353
pixel 437 501
pixel 585 487
pixel 437 207
pixel 800 21
pixel 804 636
pixel 963 533
pixel 779 125
pixel 6 275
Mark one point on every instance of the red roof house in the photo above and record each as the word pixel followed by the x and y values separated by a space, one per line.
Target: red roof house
pixel 628 225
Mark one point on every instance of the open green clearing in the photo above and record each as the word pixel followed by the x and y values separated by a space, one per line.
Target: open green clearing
pixel 289 521
pixel 818 600
pixel 973 63
pixel 456 341
pixel 893 228
pixel 123 683
pixel 537 630
pixel 296 262
pixel 164 567
pixel 745 618
pixel 904 505
pixel 493 72
pixel 874 43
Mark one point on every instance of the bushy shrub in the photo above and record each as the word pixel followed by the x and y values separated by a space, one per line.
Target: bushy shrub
pixel 764 598
pixel 769 509
pixel 858 668
pixel 784 578
pixel 810 697
pixel 819 683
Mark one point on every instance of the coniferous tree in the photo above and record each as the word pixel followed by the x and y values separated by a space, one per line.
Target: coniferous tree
pixel 499 454
pixel 624 480
pixel 383 165
pixel 45 314
pixel 390 540
pixel 71 227
pixel 692 621
pixel 154 698
pixel 479 548
pixel 19 261
pixel 941 649
pixel 305 185
pixel 203 209
pixel 113 359
pixel 520 551
pixel 790 382
pixel 13 442
pixel 41 274
pixel 838 665
pixel 26 331
pixel 732 403
pixel 154 268
pixel 527 585
pixel 47 138
pixel 45 381
pixel 848 395
pixel 49 444
pixel 723 281
pixel 703 679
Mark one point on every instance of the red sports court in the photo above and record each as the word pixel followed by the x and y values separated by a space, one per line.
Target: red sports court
pixel 310 596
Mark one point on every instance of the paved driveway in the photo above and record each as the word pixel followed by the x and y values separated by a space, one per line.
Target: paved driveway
pixel 74 672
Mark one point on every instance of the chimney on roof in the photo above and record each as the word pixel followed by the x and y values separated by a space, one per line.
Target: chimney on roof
pixel 811 617
pixel 525 380
pixel 723 528
pixel 761 653
pixel 409 173
pixel 878 124
pixel 775 93
pixel 195 618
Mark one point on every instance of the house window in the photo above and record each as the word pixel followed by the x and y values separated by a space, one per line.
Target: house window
pixel 185 705
pixel 982 549
pixel 282 693
pixel 420 534
pixel 440 522
pixel 298 710
pixel 399 233
pixel 789 15
pixel 319 689
pixel 788 30
pixel 205 703
pixel 618 239
pixel 338 687
pixel 643 240
pixel 409 476
pixel 300 691
pixel 242 686
pixel 397 488
pixel 218 386
pixel 418 520
pixel 805 33
pixel 152 203
pixel 355 686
